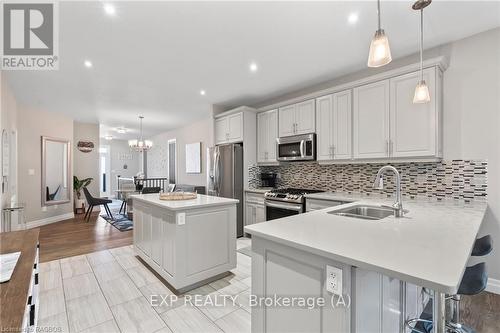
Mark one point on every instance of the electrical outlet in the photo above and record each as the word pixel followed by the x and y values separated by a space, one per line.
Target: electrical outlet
pixel 181 218
pixel 334 280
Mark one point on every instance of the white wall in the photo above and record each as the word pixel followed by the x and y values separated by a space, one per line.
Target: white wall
pixel 200 131
pixel 117 164
pixel 87 164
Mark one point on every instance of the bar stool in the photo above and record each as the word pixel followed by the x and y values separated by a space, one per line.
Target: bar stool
pixel 473 282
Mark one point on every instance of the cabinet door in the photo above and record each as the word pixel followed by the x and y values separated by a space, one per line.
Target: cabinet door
pixel 305 117
pixel 342 125
pixel 413 126
pixel 138 239
pixel 371 120
pixel 262 139
pixel 272 134
pixel 221 130
pixel 146 230
pixel 324 114
pixel 286 121
pixel 250 214
pixel 260 213
pixel 156 240
pixel 235 124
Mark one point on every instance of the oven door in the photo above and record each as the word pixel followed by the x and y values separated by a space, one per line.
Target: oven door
pixel 297 148
pixel 277 209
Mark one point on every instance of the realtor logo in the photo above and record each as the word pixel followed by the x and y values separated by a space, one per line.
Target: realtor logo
pixel 30 36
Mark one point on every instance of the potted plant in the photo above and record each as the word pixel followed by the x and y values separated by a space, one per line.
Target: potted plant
pixel 77 187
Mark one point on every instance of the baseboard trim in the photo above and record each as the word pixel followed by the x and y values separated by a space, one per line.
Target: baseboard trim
pixel 49 220
pixel 493 286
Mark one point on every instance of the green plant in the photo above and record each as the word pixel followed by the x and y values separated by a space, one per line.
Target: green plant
pixel 79 184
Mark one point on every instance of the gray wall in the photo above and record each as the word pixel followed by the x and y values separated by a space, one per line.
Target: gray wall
pixel 471 112
pixel 200 131
pixel 87 164
pixel 8 121
pixel 33 124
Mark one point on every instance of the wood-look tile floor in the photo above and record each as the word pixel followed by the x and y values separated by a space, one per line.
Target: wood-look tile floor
pixel 111 291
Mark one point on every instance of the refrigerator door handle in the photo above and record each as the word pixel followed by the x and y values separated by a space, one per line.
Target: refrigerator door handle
pixel 217 172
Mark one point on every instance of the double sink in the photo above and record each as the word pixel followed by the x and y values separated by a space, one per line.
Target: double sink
pixel 367 212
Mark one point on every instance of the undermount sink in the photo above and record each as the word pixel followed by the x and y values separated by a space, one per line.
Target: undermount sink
pixel 364 212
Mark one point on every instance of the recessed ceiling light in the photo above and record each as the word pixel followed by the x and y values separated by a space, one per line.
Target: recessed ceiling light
pixel 353 18
pixel 253 67
pixel 203 92
pixel 109 9
pixel 87 63
pixel 108 137
pixel 121 130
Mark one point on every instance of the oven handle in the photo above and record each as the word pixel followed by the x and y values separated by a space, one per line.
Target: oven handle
pixel 302 147
pixel 297 208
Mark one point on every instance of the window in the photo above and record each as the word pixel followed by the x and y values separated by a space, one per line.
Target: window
pixel 172 161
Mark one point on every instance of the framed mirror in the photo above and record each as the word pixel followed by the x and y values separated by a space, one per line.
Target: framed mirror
pixel 56 159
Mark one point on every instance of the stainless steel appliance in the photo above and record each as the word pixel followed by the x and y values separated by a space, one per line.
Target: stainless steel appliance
pixel 285 202
pixel 225 176
pixel 297 148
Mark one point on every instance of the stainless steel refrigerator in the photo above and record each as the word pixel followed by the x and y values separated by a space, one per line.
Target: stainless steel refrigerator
pixel 225 176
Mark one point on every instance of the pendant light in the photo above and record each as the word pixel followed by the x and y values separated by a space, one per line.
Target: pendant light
pixel 140 144
pixel 380 52
pixel 421 91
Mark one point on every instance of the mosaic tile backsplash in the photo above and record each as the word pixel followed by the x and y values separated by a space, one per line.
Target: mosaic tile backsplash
pixel 457 179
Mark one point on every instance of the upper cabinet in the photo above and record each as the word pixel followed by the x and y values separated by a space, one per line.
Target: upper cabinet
pixel 267 132
pixel 386 123
pixel 414 126
pixel 229 129
pixel 334 135
pixel 297 119
pixel 371 120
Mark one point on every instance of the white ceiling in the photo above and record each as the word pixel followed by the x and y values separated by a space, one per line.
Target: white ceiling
pixel 152 58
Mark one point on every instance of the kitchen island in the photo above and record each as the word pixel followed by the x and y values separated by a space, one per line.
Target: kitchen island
pixel 383 263
pixel 187 242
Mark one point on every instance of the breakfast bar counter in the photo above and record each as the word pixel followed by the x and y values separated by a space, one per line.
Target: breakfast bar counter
pixel 188 242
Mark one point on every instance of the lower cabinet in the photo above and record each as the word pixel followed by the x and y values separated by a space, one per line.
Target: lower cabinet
pixel 255 210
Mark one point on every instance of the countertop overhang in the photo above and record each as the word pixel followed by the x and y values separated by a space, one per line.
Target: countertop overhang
pixel 200 201
pixel 429 246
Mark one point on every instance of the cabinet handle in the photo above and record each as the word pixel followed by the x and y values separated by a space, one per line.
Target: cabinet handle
pixel 333 151
pixel 391 147
pixel 387 147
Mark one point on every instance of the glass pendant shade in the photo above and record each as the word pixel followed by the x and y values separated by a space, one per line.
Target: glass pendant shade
pixel 421 93
pixel 380 52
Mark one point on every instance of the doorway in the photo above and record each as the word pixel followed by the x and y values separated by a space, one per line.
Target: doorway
pixel 172 161
pixel 104 171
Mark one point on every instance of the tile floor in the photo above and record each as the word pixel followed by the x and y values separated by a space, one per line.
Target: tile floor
pixel 110 291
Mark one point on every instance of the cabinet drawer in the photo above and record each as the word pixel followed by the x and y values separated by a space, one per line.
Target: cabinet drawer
pixel 254 198
pixel 317 204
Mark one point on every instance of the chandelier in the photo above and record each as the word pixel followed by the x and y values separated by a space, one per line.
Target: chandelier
pixel 140 144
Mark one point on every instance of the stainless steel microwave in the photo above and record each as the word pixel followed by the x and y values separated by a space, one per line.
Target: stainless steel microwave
pixel 297 148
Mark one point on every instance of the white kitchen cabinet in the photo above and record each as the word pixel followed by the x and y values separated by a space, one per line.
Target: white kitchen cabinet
pixel 334 135
pixel 229 129
pixel 254 208
pixel 371 123
pixel 297 119
pixel 414 127
pixel 267 132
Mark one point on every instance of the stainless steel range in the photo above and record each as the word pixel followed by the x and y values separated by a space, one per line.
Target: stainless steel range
pixel 285 202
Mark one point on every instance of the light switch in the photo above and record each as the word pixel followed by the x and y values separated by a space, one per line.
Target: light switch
pixel 31 172
pixel 181 218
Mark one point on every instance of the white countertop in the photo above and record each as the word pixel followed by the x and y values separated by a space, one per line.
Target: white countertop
pixel 260 190
pixel 200 201
pixel 429 246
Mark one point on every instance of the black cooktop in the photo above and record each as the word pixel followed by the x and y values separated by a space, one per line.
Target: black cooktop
pixel 299 191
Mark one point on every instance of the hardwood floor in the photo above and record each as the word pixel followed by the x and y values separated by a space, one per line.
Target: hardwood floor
pixel 73 237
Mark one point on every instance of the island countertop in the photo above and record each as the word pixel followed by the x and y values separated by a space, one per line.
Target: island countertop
pixel 429 246
pixel 200 201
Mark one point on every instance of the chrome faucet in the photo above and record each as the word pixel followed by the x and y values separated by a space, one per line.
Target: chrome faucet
pixel 379 184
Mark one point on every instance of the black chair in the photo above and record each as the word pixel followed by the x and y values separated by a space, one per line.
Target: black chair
pixel 148 190
pixel 96 202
